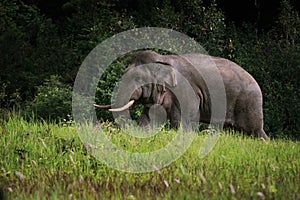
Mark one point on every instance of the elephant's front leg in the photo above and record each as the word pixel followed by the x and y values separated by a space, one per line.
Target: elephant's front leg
pixel 144 119
pixel 174 116
pixel 153 116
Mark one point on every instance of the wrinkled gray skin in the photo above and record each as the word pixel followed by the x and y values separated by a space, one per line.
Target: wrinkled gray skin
pixel 244 97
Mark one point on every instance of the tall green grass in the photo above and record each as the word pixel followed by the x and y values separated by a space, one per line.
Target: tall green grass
pixel 42 160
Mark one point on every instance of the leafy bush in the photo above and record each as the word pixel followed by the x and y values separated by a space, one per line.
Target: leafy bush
pixel 53 100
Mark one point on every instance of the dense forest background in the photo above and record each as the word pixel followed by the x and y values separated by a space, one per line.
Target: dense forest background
pixel 43 43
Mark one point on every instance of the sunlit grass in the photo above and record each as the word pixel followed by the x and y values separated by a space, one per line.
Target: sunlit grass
pixel 47 160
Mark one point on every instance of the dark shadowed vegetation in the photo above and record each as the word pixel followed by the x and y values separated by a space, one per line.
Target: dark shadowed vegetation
pixel 43 43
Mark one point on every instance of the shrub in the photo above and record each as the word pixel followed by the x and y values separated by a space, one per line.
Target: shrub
pixel 52 101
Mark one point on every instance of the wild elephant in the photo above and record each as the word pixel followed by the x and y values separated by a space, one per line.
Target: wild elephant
pixel 243 95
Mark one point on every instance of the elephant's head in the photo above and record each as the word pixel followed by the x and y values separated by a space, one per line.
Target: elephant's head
pixel 146 81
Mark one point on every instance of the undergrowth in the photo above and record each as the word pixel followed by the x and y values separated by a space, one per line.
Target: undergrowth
pixel 42 160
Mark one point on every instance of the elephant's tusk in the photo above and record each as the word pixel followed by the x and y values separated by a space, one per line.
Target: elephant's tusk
pixel 130 103
pixel 102 107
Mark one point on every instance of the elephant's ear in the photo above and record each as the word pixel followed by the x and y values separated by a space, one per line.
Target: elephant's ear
pixel 167 74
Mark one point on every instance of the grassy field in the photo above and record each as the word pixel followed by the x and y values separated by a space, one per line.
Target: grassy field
pixel 49 161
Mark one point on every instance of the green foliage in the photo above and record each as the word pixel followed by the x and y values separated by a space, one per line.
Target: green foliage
pixel 53 100
pixel 28 48
pixel 47 160
pixel 289 23
pixel 205 24
pixel 6 100
pixel 35 44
